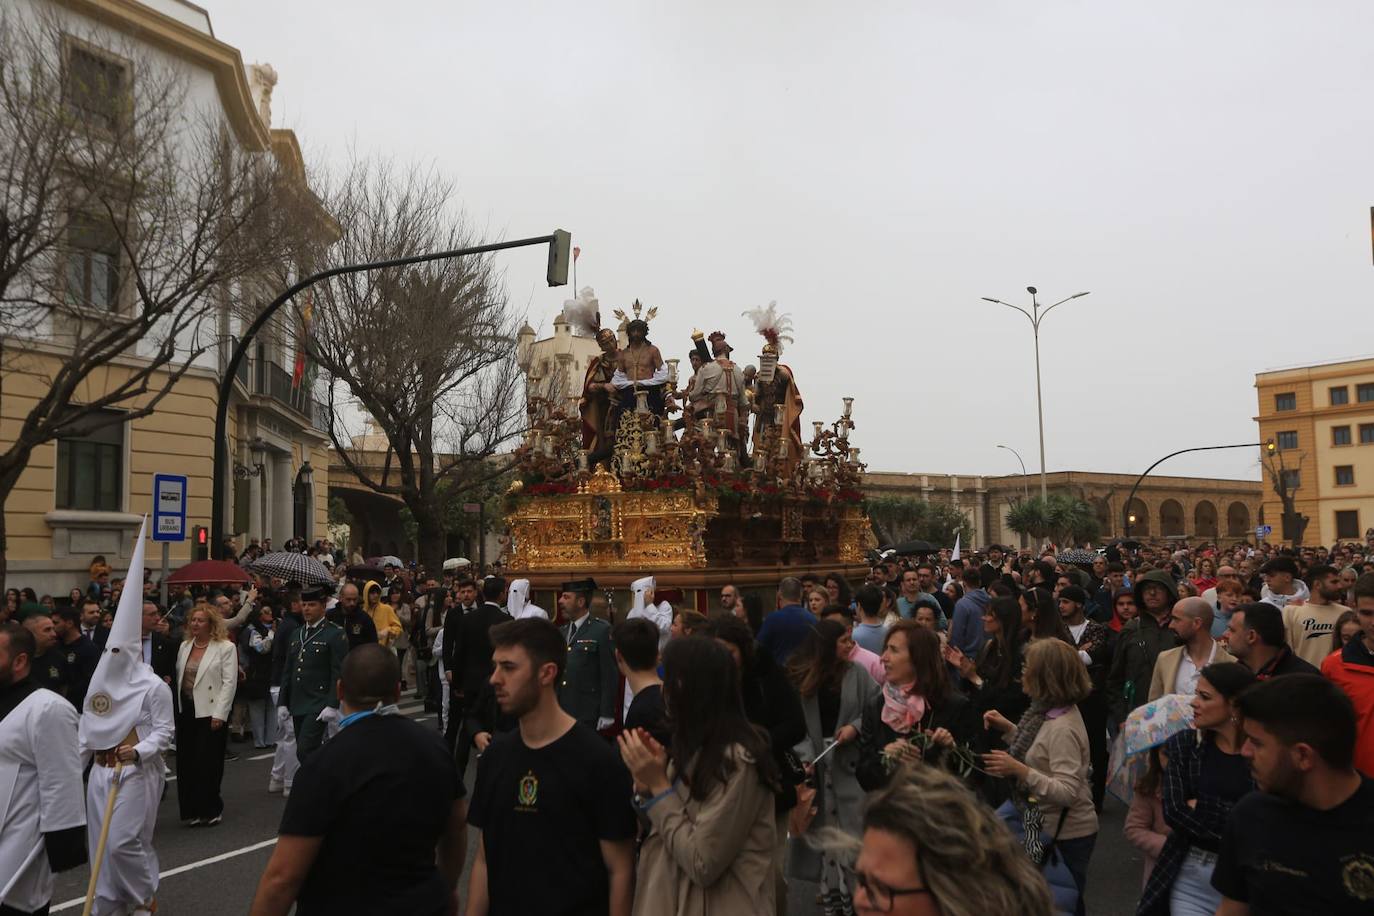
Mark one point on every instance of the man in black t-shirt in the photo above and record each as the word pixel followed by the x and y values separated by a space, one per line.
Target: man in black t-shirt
pixel 552 800
pixel 636 655
pixel 369 811
pixel 1303 843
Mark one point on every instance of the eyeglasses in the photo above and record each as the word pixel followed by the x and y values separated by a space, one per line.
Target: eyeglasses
pixel 879 895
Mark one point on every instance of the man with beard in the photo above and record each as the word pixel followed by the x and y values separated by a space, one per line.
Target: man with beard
pixel 1302 843
pixel 1139 645
pixel 597 396
pixel 640 367
pixel 551 792
pixel 78 652
pixel 729 601
pixel 1309 625
pixel 42 815
pixel 357 626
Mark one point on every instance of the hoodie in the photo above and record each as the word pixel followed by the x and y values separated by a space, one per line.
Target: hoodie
pixel 1137 648
pixel 1300 593
pixel 383 617
pixel 1352 670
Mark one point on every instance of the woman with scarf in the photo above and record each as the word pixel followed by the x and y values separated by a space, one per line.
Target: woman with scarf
pixel 1205 777
pixel 834 692
pixel 1047 762
pixel 918 715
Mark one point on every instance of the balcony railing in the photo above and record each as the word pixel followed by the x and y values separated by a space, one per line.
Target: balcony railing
pixel 268 379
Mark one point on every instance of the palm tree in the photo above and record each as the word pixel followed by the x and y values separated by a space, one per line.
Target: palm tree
pixel 1063 517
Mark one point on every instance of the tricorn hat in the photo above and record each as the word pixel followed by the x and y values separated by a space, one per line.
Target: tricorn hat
pixel 317 592
pixel 579 586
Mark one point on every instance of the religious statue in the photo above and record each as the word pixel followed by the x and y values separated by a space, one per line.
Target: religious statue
pixel 598 392
pixel 640 367
pixel 717 391
pixel 776 401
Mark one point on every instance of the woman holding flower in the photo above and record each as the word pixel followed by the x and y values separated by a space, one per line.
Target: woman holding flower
pixel 918 715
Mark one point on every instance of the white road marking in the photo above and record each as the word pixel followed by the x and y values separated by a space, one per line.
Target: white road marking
pixel 263 756
pixel 78 901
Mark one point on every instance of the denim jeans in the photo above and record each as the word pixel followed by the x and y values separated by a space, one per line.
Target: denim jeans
pixel 1076 853
pixel 1192 893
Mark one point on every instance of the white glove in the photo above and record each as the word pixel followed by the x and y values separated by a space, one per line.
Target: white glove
pixel 283 717
pixel 604 723
pixel 327 715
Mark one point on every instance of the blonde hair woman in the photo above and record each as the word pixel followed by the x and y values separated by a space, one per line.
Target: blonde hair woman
pixel 1048 754
pixel 930 846
pixel 207 676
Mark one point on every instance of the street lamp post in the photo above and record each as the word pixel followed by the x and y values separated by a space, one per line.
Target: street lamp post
pixel 1126 509
pixel 558 244
pixel 1034 316
pixel 1025 480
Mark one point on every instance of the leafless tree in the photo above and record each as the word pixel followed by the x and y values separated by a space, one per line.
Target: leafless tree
pixel 1293 522
pixel 426 352
pixel 129 217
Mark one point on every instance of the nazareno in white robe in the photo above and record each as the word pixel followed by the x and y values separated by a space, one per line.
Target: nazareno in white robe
pixel 129 872
pixel 40 792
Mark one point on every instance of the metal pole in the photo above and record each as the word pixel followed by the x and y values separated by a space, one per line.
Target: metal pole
pixel 482 535
pixel 226 384
pixel 1126 512
pixel 166 552
pixel 1025 478
pixel 1040 412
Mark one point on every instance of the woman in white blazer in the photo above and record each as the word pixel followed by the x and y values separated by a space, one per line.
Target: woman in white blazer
pixel 207 675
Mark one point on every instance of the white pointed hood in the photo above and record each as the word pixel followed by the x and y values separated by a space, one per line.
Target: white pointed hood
pixel 518 605
pixel 640 588
pixel 115 696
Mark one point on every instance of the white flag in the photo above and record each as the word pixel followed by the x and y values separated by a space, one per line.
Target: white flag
pixel 115 696
pixel 954 556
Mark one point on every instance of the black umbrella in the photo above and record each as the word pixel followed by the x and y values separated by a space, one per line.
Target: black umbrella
pixel 911 548
pixel 293 567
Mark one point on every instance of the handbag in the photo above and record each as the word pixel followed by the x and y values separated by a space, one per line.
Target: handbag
pixel 1063 887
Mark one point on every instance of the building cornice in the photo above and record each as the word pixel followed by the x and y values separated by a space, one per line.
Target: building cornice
pixel 223 61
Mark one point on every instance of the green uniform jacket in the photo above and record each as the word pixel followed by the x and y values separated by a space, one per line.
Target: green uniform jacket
pixel 314 657
pixel 587 691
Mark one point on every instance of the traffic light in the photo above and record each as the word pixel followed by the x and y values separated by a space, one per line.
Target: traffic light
pixel 560 256
pixel 200 542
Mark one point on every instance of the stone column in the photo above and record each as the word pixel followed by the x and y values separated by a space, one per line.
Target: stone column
pixel 282 508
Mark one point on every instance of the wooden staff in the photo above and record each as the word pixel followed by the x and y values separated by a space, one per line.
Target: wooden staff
pixel 131 740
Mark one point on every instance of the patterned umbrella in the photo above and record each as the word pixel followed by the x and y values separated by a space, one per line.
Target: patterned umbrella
pixel 1146 727
pixel 1075 557
pixel 293 567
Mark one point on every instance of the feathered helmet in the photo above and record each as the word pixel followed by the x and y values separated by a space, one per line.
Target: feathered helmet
pixel 584 314
pixel 775 328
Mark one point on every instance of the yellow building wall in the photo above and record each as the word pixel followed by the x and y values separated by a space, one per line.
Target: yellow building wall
pixel 1314 418
pixel 176 438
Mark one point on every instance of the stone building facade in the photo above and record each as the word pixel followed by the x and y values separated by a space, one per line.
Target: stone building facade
pixel 1193 508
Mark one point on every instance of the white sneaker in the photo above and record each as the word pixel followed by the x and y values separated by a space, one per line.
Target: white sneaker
pixel 274 786
pixel 286 792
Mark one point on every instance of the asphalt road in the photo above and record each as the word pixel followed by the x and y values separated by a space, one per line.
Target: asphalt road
pixel 209 871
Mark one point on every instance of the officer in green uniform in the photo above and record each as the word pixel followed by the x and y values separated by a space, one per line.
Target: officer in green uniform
pixel 588 689
pixel 314 659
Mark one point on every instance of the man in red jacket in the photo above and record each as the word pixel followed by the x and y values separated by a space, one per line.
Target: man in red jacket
pixel 1352 669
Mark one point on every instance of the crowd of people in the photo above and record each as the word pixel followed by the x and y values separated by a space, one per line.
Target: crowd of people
pixel 937 738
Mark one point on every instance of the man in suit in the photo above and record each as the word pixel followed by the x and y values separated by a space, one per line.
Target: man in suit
pixel 466 595
pixel 314 659
pixel 472 656
pixel 159 649
pixel 1177 669
pixel 587 691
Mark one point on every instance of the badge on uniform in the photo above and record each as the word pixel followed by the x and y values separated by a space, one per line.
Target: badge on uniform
pixel 100 703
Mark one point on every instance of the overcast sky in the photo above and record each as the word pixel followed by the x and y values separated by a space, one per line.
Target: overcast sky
pixel 1204 170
